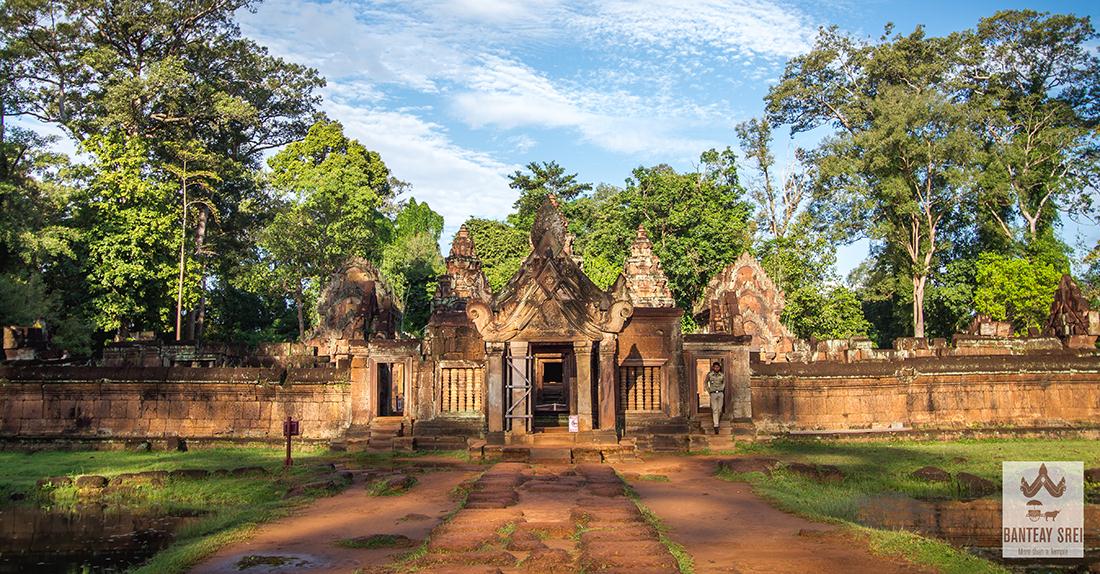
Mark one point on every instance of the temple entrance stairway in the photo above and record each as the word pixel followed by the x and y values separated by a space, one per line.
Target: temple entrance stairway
pixel 729 433
pixel 382 432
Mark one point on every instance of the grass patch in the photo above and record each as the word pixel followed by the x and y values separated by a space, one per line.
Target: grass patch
pixel 684 562
pixel 883 468
pixel 384 487
pixel 654 478
pixel 377 541
pixel 916 548
pixel 232 506
pixel 506 530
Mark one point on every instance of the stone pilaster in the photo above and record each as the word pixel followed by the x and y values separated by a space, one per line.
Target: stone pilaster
pixel 607 386
pixel 582 350
pixel 494 386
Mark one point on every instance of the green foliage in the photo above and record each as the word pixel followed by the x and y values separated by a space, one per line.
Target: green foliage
pixel 835 314
pixel 249 316
pixel 414 218
pixel 981 136
pixel 166 70
pixel 601 271
pixel 336 190
pixel 897 169
pixel 1034 76
pixel 545 179
pixel 412 262
pixel 37 234
pixel 798 260
pixel 1090 278
pixel 1015 289
pixel 500 247
pixel 951 298
pixel 166 76
pixel 698 221
pixel 129 227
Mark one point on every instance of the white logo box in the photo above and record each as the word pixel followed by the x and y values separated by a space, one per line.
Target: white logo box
pixel 1043 509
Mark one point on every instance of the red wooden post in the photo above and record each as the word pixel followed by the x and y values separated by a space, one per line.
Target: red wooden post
pixel 290 429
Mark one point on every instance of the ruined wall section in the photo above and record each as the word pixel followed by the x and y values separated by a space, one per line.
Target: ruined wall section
pixel 153 403
pixel 1038 391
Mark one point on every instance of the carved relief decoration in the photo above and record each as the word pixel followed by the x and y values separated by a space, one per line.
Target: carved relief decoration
pixel 742 300
pixel 549 298
pixel 356 304
pixel 643 278
pixel 464 279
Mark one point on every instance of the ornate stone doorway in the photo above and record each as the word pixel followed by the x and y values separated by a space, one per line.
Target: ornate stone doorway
pixel 391 389
pixel 553 386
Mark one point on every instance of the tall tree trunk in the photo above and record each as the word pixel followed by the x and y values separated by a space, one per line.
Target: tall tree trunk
pixel 199 315
pixel 298 303
pixel 919 282
pixel 183 258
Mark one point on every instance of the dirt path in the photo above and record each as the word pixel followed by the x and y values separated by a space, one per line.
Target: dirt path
pixel 306 539
pixel 547 520
pixel 727 528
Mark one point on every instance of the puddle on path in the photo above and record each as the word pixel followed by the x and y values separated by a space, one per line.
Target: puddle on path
pixel 88 540
pixel 974 525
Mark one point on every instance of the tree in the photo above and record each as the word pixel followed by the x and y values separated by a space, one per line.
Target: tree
pixel 1034 78
pixel 697 220
pixel 1015 289
pixel 798 257
pixel 779 197
pixel 500 247
pixel 39 243
pixel 412 262
pixel 335 191
pixel 127 219
pixel 171 73
pixel 898 168
pixel 832 314
pixel 188 171
pixel 544 180
pixel 155 69
pixel 1090 277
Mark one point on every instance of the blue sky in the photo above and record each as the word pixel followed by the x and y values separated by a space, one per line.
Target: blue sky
pixel 456 95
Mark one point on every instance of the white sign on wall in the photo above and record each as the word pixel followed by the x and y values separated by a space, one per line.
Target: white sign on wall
pixel 1042 509
pixel 574 424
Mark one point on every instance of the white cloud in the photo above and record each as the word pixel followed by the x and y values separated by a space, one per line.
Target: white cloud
pixel 746 27
pixel 508 94
pixel 349 40
pixel 631 78
pixel 522 143
pixel 455 181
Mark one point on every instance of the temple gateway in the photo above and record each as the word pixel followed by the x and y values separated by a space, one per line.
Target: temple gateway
pixel 552 365
pixel 554 359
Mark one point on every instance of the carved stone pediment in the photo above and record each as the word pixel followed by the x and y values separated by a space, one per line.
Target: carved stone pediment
pixel 742 300
pixel 549 298
pixel 464 279
pixel 356 304
pixel 643 279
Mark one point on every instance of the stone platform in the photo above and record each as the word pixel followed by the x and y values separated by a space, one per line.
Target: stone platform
pixel 554 454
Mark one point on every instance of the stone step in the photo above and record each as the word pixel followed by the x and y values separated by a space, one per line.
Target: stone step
pixel 545 455
pixel 712 442
pixel 590 453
